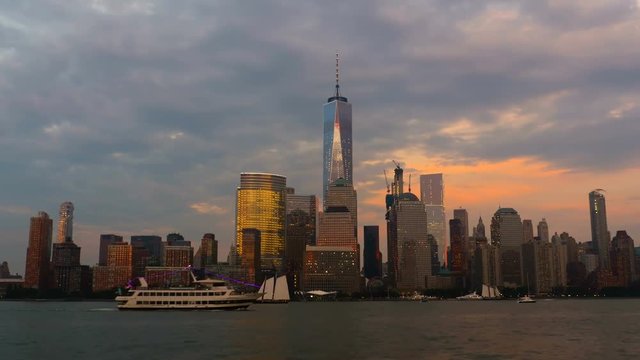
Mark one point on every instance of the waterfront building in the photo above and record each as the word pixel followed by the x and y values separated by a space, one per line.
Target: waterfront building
pixel 332 268
pixel 337 140
pixel 407 237
pixel 623 260
pixel 457 260
pixel 167 277
pixel 372 255
pixel 506 233
pixel 178 256
pixel 119 268
pixel 261 205
pixel 543 230
pixel 105 241
pixel 67 271
pixel 65 222
pixel 599 231
pixel 301 231
pixel 537 265
pixel 590 261
pixel 250 258
pixel 414 259
pixel 39 252
pixel 432 196
pixel 153 244
pixel 486 266
pixel 527 230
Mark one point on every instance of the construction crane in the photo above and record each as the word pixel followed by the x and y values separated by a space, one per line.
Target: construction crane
pixel 409 182
pixel 386 180
pixel 396 163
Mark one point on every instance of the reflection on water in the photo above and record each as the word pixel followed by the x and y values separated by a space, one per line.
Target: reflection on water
pixel 367 330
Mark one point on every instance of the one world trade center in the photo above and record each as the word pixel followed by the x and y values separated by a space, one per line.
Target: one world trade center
pixel 337 145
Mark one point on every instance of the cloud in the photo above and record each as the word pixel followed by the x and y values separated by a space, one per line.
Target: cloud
pixel 207 208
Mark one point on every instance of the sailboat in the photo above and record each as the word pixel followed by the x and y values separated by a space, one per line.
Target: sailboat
pixel 274 291
pixel 490 292
pixel 526 299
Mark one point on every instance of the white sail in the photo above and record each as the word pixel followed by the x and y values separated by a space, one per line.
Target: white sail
pixel 267 289
pixel 281 292
pixel 497 292
pixel 485 291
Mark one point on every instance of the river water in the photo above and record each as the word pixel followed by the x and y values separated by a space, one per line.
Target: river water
pixel 549 329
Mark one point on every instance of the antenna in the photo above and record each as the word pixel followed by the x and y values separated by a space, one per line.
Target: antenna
pixel 337 74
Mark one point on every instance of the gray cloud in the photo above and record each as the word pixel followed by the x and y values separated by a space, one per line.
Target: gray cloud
pixel 137 110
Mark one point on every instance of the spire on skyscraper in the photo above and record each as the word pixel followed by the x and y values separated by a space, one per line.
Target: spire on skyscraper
pixel 337 74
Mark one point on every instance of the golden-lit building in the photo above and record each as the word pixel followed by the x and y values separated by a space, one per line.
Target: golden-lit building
pixel 178 256
pixel 261 204
pixel 119 268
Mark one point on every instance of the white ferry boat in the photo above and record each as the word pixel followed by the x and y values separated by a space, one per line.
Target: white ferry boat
pixel 204 295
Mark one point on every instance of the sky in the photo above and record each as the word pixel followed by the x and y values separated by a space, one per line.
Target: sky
pixel 144 113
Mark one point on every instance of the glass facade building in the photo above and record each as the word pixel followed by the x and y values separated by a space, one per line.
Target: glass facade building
pixel 372 254
pixel 506 233
pixel 261 205
pixel 432 196
pixel 337 142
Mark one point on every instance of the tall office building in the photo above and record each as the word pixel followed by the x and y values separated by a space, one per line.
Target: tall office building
pixel 208 252
pixel 176 239
pixel 301 231
pixel 506 233
pixel 467 246
pixel 486 266
pixel 65 262
pixel 342 194
pixel 407 238
pixel 623 259
pixel 250 258
pixel 599 230
pixel 118 270
pixel 543 231
pixel 39 252
pixel 372 255
pixel 432 196
pixel 457 252
pixel 261 205
pixel 337 140
pixel 527 230
pixel 538 266
pixel 153 244
pixel 105 241
pixel 65 222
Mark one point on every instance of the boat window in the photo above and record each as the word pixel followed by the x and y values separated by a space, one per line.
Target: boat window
pixel 172 294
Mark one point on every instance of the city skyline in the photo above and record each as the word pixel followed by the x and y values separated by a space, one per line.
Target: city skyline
pixel 162 159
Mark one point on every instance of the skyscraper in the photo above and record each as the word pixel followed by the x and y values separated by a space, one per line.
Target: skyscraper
pixel 467 246
pixel 208 250
pixel 153 244
pixel 623 259
pixel 506 233
pixel 543 231
pixel 527 230
pixel 261 205
pixel 457 260
pixel 65 222
pixel 67 272
pixel 105 241
pixel 337 144
pixel 432 196
pixel 342 194
pixel 250 258
pixel 407 238
pixel 38 252
pixel 301 231
pixel 372 254
pixel 599 230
